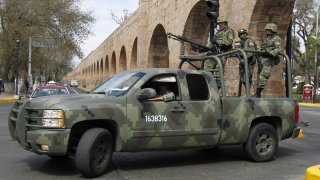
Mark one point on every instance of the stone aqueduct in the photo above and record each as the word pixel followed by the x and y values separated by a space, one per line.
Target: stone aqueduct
pixel 141 40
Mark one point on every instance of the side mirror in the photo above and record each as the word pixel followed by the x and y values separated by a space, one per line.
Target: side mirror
pixel 146 93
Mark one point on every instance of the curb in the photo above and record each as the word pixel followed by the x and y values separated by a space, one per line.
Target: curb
pixel 2 100
pixel 309 104
pixel 313 173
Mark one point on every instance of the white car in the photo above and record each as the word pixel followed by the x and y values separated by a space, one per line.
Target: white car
pixel 74 83
pixel 51 83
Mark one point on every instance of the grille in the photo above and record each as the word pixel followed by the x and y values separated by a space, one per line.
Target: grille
pixel 33 117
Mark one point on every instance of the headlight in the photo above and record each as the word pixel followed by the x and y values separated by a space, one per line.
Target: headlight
pixel 53 118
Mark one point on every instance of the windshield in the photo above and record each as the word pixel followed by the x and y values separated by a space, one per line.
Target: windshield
pixel 119 84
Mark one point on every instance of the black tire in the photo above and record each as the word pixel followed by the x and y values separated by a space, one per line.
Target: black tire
pixel 262 143
pixel 94 152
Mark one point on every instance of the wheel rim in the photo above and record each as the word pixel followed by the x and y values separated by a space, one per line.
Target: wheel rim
pixel 100 153
pixel 264 143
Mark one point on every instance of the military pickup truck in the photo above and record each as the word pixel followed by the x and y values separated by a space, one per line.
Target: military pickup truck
pixel 124 115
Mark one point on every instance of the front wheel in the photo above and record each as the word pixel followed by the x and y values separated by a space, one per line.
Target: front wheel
pixel 262 143
pixel 94 152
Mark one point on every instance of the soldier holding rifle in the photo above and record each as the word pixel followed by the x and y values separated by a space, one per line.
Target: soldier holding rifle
pixel 223 40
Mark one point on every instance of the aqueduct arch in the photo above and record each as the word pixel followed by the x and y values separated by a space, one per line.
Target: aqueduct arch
pixel 113 63
pixel 106 63
pixel 123 60
pixel 134 60
pixel 158 49
pixel 197 25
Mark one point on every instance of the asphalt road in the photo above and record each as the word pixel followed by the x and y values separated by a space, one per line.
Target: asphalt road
pixel 293 157
pixel 75 90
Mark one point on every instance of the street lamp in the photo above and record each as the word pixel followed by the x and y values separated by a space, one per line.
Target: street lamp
pixel 17 65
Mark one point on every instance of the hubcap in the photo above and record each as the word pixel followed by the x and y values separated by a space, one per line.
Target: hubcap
pixel 264 143
pixel 100 154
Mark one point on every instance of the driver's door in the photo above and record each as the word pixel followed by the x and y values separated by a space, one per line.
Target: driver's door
pixel 160 124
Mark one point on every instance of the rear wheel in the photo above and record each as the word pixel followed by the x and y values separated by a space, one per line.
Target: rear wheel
pixel 94 152
pixel 262 143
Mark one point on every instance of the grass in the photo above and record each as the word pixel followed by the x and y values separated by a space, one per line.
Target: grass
pixel 299 98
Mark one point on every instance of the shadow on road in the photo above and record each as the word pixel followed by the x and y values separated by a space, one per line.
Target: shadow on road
pixel 56 167
pixel 152 160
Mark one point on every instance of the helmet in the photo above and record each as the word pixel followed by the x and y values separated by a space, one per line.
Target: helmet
pixel 271 27
pixel 242 31
pixel 222 19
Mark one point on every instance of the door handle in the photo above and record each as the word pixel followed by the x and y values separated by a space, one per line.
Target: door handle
pixel 177 109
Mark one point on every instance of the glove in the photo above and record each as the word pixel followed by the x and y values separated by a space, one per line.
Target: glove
pixel 210 45
pixel 214 40
pixel 194 48
pixel 201 50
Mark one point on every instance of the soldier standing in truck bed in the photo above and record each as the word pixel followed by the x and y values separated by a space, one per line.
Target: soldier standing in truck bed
pixel 223 39
pixel 247 43
pixel 272 48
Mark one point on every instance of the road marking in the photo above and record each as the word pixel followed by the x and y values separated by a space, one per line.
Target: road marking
pixel 74 90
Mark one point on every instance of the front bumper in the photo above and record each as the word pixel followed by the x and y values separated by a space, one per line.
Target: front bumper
pixel 55 141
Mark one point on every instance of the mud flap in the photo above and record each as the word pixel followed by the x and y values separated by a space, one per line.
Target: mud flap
pixel 297 132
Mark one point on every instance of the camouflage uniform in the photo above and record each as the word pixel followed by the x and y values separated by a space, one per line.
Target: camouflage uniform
pixel 272 47
pixel 223 39
pixel 164 94
pixel 249 44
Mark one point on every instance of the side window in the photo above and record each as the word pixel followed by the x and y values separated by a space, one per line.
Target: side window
pixel 198 87
pixel 163 85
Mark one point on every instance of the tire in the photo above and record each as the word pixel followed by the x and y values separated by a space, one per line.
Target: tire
pixel 94 152
pixel 262 143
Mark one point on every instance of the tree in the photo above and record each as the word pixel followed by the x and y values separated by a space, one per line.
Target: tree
pixel 41 18
pixel 120 19
pixel 304 20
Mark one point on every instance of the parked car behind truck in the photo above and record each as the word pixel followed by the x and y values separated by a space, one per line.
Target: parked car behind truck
pixel 73 83
pixel 119 116
pixel 49 90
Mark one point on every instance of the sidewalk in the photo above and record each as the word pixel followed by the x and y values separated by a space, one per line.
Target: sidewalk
pixel 309 104
pixel 7 97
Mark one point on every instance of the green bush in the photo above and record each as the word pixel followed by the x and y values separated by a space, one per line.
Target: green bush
pixel 317 99
pixel 300 88
pixel 298 97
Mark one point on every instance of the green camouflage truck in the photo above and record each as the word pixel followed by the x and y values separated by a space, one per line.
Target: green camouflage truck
pixel 123 115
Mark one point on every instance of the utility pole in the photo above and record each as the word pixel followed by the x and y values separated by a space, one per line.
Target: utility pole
pixel 315 79
pixel 17 64
pixel 29 64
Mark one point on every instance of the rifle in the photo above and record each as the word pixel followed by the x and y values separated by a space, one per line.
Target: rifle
pixel 195 46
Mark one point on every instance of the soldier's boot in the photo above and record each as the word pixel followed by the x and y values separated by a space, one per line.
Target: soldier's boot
pixel 258 93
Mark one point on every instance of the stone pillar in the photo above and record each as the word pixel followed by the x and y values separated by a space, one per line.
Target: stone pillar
pixel 143 43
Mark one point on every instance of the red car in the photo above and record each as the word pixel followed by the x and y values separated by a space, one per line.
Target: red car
pixel 49 91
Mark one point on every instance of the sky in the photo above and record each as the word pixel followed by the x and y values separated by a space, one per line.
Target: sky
pixel 104 25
